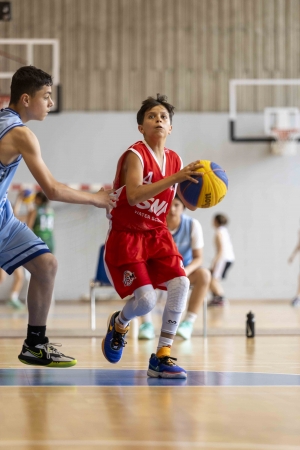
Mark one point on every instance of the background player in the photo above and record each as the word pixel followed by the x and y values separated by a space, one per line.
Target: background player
pixel 188 236
pixel 41 220
pixel 222 261
pixel 19 246
pixel 140 254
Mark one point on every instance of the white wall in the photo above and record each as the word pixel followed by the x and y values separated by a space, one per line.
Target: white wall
pixel 262 202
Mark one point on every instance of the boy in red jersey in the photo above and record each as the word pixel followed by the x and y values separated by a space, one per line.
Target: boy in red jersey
pixel 140 253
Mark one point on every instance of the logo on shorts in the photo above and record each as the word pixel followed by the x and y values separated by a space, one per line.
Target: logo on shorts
pixel 172 321
pixel 128 278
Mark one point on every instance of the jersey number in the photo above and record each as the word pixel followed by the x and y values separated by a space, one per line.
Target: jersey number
pixel 46 223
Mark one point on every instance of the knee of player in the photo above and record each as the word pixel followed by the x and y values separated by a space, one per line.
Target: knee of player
pixel 146 302
pixel 203 276
pixel 178 284
pixel 177 294
pixel 49 264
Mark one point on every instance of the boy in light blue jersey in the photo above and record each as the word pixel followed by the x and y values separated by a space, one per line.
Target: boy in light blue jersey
pixel 19 246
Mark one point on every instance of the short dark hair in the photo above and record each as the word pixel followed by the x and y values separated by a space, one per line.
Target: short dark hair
pixel 178 198
pixel 150 102
pixel 28 80
pixel 221 219
pixel 42 197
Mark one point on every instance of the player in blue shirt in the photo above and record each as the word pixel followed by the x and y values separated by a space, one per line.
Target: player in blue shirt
pixel 19 246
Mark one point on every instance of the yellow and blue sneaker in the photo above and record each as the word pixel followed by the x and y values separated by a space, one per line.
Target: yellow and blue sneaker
pixel 45 355
pixel 114 342
pixel 161 365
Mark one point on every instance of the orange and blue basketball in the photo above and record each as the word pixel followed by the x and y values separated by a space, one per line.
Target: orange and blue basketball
pixel 211 187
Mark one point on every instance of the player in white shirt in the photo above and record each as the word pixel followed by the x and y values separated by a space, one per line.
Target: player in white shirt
pixel 223 259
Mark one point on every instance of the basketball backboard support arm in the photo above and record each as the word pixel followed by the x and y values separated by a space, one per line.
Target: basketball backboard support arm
pixel 233 84
pixel 29 56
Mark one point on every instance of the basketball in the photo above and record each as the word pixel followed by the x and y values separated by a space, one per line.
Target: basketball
pixel 211 187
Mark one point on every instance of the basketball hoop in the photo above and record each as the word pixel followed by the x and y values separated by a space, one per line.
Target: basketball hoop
pixel 286 141
pixel 4 101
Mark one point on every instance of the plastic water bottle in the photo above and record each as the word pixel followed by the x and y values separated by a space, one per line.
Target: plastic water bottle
pixel 250 325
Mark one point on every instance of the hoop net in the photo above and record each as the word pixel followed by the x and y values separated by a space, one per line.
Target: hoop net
pixel 284 135
pixel 4 101
pixel 286 141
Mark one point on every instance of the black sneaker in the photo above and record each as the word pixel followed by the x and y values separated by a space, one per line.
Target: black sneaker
pixel 296 302
pixel 216 301
pixel 45 355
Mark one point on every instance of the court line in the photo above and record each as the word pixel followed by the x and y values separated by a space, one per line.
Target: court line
pixel 157 386
pixel 151 444
pixel 145 369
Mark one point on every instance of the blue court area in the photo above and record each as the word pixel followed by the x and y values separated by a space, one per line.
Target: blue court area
pixel 104 377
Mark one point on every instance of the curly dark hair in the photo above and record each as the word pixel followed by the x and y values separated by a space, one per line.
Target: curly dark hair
pixel 150 102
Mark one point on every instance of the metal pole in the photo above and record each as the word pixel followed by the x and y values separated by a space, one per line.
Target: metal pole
pixel 93 306
pixel 205 317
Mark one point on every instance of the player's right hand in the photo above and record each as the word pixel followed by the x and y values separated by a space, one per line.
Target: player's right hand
pixel 187 172
pixel 105 199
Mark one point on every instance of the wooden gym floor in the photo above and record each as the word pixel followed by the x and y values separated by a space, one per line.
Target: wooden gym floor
pixel 240 393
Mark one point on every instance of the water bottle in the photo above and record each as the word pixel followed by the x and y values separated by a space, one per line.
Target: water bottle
pixel 250 325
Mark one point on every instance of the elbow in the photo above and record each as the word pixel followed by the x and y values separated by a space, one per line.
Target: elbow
pixel 51 193
pixel 132 201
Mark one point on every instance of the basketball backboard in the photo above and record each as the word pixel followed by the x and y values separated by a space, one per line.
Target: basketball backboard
pixel 42 53
pixel 276 100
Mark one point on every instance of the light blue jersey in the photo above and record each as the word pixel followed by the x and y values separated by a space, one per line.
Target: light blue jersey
pixel 9 119
pixel 183 239
pixel 18 244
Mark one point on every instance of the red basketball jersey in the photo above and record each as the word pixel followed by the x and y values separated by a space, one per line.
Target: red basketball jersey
pixel 151 213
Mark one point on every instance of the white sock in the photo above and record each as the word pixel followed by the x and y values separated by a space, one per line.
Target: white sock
pixel 14 296
pixel 122 323
pixel 164 342
pixel 190 317
pixel 147 318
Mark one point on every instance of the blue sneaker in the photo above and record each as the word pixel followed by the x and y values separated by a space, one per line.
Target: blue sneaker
pixel 161 365
pixel 113 343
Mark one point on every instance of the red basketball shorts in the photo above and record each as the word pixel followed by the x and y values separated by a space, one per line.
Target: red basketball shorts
pixel 135 259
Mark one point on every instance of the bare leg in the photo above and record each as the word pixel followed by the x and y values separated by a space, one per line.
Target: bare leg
pixel 216 287
pixel 2 275
pixel 146 318
pixel 18 280
pixel 200 280
pixel 43 270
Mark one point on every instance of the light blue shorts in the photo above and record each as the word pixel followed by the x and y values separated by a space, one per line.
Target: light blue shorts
pixel 18 244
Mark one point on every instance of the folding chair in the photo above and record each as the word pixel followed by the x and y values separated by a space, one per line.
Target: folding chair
pixel 99 281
